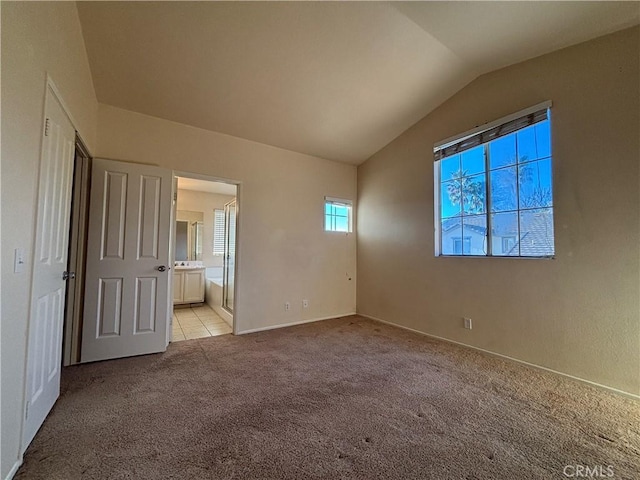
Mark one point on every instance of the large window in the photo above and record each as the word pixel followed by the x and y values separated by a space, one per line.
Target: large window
pixel 337 215
pixel 494 191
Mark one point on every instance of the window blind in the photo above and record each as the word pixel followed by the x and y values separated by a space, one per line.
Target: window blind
pixel 484 136
pixel 340 202
pixel 218 232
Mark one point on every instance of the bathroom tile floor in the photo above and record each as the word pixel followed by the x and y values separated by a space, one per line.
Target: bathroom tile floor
pixel 197 322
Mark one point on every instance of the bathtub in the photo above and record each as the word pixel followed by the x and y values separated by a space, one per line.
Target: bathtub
pixel 213 293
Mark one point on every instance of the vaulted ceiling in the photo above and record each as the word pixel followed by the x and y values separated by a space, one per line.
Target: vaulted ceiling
pixel 338 80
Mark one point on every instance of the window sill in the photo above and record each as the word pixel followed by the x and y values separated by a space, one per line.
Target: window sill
pixel 512 257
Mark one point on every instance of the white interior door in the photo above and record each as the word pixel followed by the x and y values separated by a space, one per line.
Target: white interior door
pixel 44 357
pixel 128 261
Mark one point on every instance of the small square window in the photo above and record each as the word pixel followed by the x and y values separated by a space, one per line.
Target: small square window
pixel 337 215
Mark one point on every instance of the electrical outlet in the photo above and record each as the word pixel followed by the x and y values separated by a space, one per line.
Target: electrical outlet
pixel 287 306
pixel 467 323
pixel 305 303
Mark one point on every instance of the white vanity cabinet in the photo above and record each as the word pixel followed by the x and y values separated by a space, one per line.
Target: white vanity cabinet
pixel 188 285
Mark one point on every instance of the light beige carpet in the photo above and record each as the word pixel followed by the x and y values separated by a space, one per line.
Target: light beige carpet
pixel 345 398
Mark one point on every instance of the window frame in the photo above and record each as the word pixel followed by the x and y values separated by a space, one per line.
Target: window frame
pixel 437 184
pixel 341 202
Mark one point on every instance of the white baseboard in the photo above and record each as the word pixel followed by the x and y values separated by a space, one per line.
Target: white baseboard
pixel 291 324
pixel 599 385
pixel 13 470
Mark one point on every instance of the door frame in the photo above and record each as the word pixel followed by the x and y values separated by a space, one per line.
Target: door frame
pixel 210 178
pixel 78 230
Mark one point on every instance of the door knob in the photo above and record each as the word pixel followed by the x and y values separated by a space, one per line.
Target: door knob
pixel 68 275
pixel 162 268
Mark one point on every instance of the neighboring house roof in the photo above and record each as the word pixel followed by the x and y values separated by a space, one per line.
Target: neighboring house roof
pixel 453 223
pixel 538 240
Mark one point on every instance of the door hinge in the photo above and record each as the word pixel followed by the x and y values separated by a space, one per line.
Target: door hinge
pixel 46 127
pixel 26 410
pixel 175 196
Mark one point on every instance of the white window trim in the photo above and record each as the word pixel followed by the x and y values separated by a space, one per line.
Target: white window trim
pixel 437 221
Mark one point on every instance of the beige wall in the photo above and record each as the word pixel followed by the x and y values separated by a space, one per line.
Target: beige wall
pixel 36 38
pixel 578 314
pixel 206 203
pixel 283 252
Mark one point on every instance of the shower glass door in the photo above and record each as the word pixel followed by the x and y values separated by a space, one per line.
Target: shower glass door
pixel 229 255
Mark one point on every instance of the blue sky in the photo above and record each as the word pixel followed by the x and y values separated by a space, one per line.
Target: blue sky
pixel 337 217
pixel 532 149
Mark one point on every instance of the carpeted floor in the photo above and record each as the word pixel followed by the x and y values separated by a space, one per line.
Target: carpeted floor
pixel 346 398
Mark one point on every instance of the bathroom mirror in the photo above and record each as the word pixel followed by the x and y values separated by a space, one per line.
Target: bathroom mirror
pixel 189 227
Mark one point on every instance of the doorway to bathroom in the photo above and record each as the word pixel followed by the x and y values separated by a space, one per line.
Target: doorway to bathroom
pixel 204 248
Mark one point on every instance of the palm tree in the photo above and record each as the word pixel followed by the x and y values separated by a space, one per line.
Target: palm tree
pixel 466 191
